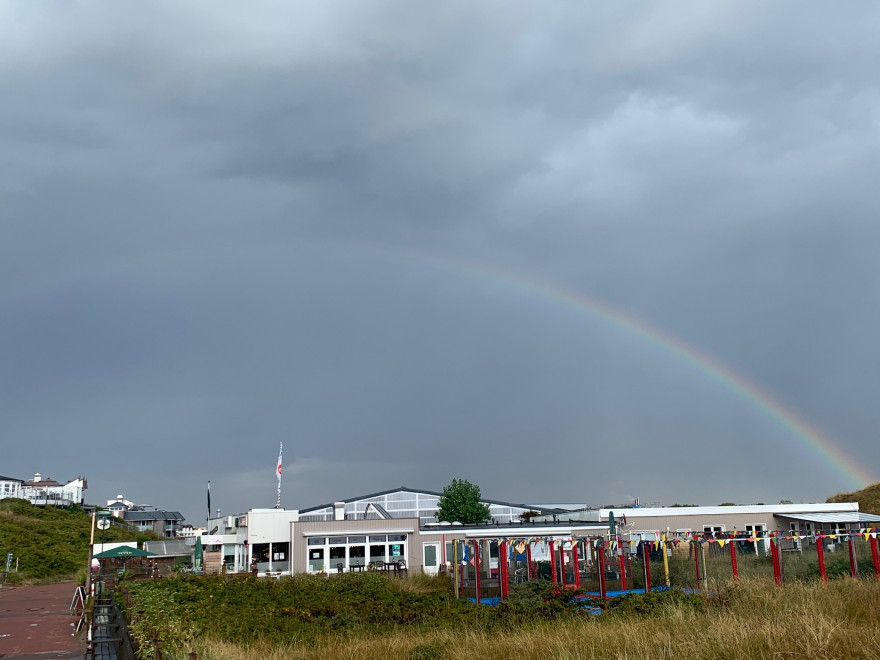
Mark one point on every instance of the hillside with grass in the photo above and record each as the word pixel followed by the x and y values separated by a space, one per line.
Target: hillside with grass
pixel 50 544
pixel 868 498
pixel 371 615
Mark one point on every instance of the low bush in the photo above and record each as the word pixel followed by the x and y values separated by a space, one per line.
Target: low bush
pixel 655 603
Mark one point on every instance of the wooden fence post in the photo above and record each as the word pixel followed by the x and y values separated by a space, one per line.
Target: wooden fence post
pixel 733 564
pixel 875 557
pixel 820 551
pixel 853 561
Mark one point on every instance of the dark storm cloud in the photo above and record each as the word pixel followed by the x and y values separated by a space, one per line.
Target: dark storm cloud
pixel 215 221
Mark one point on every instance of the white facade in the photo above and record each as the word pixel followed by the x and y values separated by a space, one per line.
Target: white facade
pixel 190 532
pixel 269 543
pixel 46 492
pixel 10 487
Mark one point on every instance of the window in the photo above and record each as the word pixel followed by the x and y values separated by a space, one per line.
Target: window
pixel 356 555
pixel 260 552
pixel 337 555
pixel 377 553
pixel 715 531
pixel 316 560
pixel 317 541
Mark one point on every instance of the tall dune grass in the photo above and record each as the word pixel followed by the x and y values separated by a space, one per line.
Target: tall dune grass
pixel 750 619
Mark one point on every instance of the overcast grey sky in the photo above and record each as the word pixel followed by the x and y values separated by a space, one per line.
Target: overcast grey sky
pixel 225 225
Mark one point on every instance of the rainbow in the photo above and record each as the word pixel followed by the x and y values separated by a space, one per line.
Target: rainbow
pixel 709 366
pixel 618 319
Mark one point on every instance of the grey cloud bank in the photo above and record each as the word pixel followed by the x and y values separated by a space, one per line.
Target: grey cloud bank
pixel 222 227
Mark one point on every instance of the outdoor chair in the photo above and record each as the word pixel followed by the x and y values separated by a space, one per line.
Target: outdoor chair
pixel 339 567
pixel 401 567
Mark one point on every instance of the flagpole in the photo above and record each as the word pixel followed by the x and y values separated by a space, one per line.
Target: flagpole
pixel 209 503
pixel 278 472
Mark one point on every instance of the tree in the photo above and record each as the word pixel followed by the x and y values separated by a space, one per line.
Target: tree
pixel 460 502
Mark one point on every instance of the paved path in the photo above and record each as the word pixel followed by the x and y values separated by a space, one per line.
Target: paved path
pixel 35 622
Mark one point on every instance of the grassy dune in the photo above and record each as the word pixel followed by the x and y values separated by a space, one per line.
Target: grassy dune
pixel 50 544
pixel 751 619
pixel 868 498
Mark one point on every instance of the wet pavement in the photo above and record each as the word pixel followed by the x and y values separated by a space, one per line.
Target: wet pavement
pixel 36 622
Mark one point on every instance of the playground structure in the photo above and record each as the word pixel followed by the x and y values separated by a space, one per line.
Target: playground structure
pixel 605 566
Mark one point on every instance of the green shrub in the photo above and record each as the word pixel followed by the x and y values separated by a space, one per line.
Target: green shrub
pixel 435 650
pixel 654 603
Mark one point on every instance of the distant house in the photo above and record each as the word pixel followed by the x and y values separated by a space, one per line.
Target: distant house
pixel 120 505
pixel 147 518
pixel 189 531
pixel 10 487
pixel 166 524
pixel 48 492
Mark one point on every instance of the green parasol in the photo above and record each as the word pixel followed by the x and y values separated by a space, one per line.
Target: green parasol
pixel 197 556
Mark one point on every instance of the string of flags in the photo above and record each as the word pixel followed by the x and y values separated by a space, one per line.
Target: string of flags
pixel 520 542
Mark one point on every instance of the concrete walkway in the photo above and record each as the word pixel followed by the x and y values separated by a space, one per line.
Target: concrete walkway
pixel 35 622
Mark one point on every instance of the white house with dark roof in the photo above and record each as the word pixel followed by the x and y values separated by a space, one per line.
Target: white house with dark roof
pixel 48 492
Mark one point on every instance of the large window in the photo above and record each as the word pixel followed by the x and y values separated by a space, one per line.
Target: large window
pixel 316 560
pixel 350 551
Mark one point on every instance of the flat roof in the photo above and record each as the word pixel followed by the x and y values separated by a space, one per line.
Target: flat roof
pixel 781 509
pixel 842 517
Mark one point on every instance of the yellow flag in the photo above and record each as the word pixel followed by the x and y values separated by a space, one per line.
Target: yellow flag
pixel 721 542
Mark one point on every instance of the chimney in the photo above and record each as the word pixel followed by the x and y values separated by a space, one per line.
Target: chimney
pixel 339 511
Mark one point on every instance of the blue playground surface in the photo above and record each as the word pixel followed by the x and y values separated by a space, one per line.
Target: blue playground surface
pixel 585 598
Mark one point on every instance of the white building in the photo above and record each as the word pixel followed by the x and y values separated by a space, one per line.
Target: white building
pixel 389 526
pixel 48 492
pixel 190 532
pixel 10 487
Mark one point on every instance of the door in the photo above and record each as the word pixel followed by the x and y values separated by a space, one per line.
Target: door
pixel 431 554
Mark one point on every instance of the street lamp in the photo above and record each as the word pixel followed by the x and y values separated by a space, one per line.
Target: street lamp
pixel 103 524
